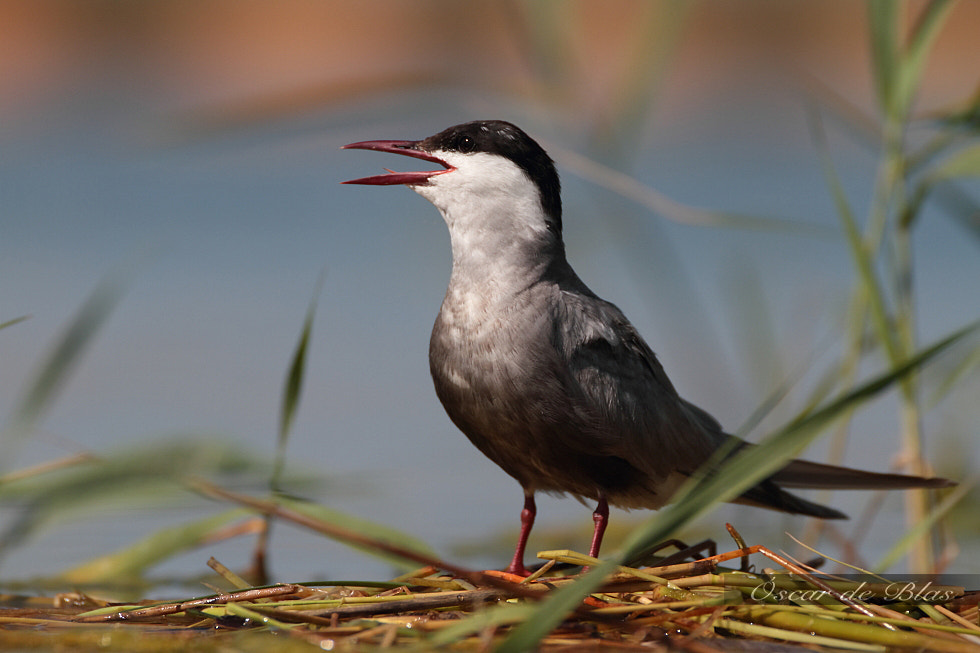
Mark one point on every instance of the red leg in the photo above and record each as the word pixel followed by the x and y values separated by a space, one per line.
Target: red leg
pixel 527 521
pixel 601 519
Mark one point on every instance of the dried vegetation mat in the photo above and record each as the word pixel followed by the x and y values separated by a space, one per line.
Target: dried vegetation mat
pixel 717 603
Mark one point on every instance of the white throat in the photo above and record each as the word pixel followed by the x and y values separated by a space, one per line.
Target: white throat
pixel 493 211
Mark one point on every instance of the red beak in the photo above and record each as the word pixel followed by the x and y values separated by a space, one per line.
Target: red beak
pixel 407 148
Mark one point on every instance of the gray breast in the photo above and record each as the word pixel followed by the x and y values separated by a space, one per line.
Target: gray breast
pixel 503 374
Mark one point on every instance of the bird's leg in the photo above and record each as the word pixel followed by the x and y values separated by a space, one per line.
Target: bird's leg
pixel 527 521
pixel 601 519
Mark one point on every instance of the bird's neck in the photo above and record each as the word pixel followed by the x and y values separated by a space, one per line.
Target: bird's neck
pixel 501 245
pixel 501 266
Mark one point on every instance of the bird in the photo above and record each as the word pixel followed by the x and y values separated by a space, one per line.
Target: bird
pixel 548 380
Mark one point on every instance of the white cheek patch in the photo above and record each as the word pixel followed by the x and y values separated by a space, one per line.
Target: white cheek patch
pixel 485 194
pixel 477 178
pixel 489 170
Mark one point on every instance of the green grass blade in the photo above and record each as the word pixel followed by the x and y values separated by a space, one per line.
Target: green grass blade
pixel 921 528
pixel 502 614
pixel 702 493
pixel 4 325
pixel 883 19
pixel 363 527
pixel 966 363
pixel 860 255
pixel 549 26
pixel 752 324
pixel 651 43
pixel 962 163
pixel 292 388
pixel 897 70
pixel 63 359
pixel 966 115
pixel 133 560
pixel 554 610
pixel 626 186
pixel 141 475
pixel 923 36
pixel 753 464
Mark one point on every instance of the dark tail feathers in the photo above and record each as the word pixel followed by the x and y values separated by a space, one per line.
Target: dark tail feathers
pixel 804 474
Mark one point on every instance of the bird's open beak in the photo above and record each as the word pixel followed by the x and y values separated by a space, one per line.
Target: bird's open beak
pixel 408 148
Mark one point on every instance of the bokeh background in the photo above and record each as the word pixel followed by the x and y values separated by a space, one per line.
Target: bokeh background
pixel 195 144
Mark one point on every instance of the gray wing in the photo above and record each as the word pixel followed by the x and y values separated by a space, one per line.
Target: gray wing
pixel 617 378
pixel 636 414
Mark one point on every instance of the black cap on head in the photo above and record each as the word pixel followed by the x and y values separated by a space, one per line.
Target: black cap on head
pixel 509 141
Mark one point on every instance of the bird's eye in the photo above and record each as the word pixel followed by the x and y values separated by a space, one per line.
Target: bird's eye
pixel 466 145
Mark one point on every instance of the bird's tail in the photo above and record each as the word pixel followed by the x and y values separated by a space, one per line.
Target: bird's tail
pixel 769 495
pixel 772 494
pixel 805 474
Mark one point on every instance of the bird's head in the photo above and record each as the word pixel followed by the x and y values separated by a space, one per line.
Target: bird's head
pixel 493 177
